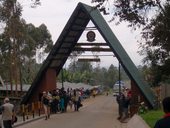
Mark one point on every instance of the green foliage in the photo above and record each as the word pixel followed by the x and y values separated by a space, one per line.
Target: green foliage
pixel 151 74
pixel 99 76
pixel 19 43
pixel 77 72
pixel 29 71
pixel 84 72
pixel 32 39
pixel 157 46
pixel 157 36
pixel 154 17
pixel 152 116
pixel 134 11
pixel 112 76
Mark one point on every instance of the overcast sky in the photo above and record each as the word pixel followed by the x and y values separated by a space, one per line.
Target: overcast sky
pixel 55 14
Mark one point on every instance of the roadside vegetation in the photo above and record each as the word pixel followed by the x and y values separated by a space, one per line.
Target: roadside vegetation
pixel 152 116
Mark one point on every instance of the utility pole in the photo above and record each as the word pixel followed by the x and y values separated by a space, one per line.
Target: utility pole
pixel 119 80
pixel 62 78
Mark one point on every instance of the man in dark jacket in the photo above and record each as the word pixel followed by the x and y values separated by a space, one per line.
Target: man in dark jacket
pixel 120 100
pixel 165 121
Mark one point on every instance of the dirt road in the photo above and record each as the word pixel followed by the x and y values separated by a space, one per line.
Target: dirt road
pixel 99 112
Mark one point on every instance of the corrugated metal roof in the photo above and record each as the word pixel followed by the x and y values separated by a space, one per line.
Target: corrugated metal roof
pixel 74 85
pixel 68 39
pixel 25 87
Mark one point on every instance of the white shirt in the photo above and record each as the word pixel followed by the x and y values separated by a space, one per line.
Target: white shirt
pixel 7 112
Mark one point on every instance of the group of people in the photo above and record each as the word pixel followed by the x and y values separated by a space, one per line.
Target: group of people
pixel 123 100
pixel 58 100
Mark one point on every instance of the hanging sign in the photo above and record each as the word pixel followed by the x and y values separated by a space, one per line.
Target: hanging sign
pixel 91 36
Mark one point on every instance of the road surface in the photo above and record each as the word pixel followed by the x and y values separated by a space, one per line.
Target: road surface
pixel 98 112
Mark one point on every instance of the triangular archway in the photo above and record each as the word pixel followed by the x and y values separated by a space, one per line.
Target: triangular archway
pixel 66 43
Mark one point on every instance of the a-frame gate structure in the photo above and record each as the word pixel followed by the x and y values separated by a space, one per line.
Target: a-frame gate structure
pixel 46 77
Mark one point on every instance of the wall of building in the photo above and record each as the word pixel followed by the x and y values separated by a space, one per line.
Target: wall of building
pixel 47 83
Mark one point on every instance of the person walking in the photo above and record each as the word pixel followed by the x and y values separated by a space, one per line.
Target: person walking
pixel 165 121
pixel 126 104
pixel 7 113
pixel 61 102
pixel 76 100
pixel 46 104
pixel 120 100
pixel 55 102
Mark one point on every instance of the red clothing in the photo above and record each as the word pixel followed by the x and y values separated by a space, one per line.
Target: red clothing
pixel 167 115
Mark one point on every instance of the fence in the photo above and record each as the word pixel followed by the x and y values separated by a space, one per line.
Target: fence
pixel 29 111
pixel 165 90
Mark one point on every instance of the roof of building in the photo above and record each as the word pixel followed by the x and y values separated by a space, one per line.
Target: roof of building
pixel 74 85
pixel 25 87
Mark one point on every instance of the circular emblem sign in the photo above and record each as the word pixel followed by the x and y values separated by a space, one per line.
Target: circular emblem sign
pixel 91 36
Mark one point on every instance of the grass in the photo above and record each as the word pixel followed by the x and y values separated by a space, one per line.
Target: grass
pixel 152 116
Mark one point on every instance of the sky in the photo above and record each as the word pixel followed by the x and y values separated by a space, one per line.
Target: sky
pixel 55 14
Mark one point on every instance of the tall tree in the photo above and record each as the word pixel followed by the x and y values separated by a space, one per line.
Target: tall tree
pixel 10 16
pixel 156 45
pixel 19 41
pixel 37 40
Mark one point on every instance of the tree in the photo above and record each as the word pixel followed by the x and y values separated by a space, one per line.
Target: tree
pixel 86 73
pixel 112 76
pixel 80 72
pixel 157 44
pixel 99 76
pixel 10 16
pixel 134 11
pixel 154 17
pixel 157 38
pixel 19 41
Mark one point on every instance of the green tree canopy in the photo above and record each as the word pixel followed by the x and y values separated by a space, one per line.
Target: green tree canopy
pixel 19 43
pixel 154 18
